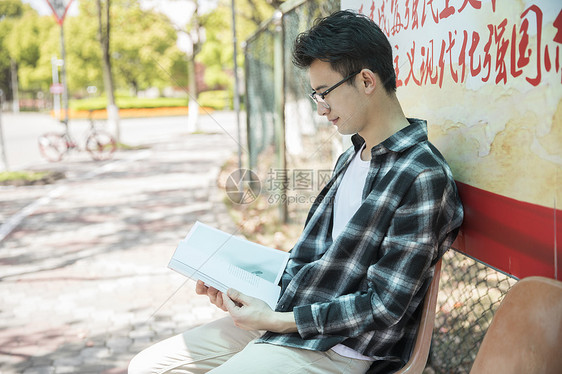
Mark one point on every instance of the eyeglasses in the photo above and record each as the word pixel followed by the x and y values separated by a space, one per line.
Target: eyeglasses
pixel 318 98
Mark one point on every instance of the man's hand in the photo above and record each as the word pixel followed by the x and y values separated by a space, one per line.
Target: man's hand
pixel 215 296
pixel 250 313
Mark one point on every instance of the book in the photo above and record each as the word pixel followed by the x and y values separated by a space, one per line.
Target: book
pixel 222 260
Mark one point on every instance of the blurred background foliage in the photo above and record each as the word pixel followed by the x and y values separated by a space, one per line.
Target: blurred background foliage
pixel 145 56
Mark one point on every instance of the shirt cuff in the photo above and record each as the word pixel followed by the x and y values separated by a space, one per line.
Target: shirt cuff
pixel 305 321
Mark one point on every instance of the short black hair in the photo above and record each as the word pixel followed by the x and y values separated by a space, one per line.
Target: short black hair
pixel 349 42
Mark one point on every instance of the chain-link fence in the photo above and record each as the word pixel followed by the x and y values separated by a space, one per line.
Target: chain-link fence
pixel 293 151
pixel 469 294
pixel 290 147
pixel 312 143
pixel 260 92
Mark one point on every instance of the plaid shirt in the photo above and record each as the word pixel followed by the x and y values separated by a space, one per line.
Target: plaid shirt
pixel 365 288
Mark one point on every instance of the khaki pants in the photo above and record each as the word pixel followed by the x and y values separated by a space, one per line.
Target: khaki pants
pixel 220 347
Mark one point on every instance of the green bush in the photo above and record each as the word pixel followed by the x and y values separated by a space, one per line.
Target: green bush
pixel 216 99
pixel 98 103
pixel 212 99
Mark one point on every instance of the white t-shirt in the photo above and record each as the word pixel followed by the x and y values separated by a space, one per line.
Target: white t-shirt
pixel 348 199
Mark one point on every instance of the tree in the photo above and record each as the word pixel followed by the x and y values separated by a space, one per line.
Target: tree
pixel 9 11
pixel 23 43
pixel 193 30
pixel 83 52
pixel 103 35
pixel 143 51
pixel 217 52
pixel 194 34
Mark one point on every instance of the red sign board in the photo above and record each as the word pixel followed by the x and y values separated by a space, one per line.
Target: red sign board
pixel 59 8
pixel 513 236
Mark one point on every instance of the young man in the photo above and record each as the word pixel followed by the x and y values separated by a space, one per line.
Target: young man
pixel 357 276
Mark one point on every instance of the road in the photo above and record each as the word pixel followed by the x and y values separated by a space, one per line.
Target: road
pixel 21 131
pixel 84 283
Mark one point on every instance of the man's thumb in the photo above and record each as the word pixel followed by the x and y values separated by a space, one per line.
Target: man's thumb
pixel 236 296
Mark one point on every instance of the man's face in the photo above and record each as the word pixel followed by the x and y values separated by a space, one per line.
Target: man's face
pixel 345 101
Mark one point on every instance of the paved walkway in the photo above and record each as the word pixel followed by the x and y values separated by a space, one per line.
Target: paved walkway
pixel 83 277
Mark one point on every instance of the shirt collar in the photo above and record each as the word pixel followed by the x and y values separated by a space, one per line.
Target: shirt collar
pixel 400 141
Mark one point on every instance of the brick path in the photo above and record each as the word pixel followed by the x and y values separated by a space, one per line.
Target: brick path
pixel 83 277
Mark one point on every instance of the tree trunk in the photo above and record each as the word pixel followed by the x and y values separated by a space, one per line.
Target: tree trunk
pixel 193 111
pixel 112 110
pixel 15 91
pixel 4 161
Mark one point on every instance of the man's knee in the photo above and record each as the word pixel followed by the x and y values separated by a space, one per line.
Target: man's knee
pixel 206 346
pixel 139 364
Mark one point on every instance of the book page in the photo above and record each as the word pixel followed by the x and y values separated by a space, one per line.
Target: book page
pixel 265 262
pixel 243 281
pixel 236 272
pixel 222 276
pixel 224 261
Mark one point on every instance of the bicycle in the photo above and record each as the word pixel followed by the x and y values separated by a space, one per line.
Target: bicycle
pixel 100 144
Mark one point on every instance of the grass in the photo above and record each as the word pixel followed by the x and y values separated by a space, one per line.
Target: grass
pixel 26 176
pixel 127 147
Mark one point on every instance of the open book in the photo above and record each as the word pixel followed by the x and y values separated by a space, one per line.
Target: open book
pixel 222 260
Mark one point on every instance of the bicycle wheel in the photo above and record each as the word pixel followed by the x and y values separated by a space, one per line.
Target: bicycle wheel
pixel 52 146
pixel 101 145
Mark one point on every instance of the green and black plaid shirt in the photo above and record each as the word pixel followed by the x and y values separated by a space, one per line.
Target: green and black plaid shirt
pixel 364 289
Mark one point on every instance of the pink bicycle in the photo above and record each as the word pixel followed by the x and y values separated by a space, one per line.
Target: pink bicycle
pixel 100 144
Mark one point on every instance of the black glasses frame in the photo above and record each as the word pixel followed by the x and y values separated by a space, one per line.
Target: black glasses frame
pixel 318 98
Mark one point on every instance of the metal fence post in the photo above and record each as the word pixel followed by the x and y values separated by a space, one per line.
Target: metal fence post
pixel 236 84
pixel 247 104
pixel 279 113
